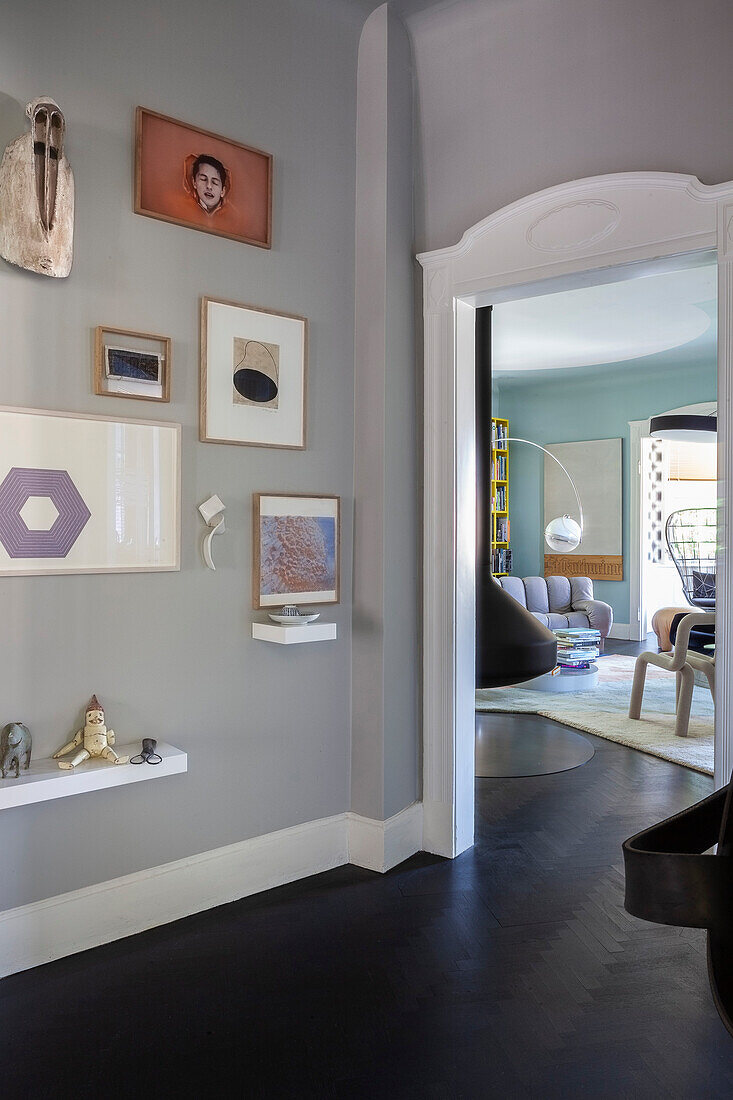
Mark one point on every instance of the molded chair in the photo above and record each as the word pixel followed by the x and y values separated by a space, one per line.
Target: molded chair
pixel 681 661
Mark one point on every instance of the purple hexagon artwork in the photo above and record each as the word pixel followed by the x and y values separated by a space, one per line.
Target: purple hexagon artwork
pixel 19 486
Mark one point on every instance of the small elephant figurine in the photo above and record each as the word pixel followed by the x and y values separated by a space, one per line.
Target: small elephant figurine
pixel 15 745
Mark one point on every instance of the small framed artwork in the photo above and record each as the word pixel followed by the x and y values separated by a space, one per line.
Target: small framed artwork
pixel 86 494
pixel 131 364
pixel 201 180
pixel 297 547
pixel 253 375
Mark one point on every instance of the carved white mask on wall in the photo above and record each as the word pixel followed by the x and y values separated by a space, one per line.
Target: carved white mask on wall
pixel 37 195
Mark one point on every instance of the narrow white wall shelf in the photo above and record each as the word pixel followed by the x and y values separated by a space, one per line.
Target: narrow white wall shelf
pixel 45 780
pixel 292 635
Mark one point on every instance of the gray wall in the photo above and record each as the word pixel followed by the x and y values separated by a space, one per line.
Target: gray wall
pixel 267 728
pixel 385 648
pixel 518 95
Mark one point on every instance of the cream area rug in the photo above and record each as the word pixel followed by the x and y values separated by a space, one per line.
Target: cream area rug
pixel 604 712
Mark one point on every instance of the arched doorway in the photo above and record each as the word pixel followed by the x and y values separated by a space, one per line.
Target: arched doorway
pixel 585 231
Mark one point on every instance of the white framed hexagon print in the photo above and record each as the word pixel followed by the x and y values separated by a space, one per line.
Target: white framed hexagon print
pixel 85 494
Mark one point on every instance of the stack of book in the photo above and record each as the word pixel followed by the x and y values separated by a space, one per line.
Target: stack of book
pixel 577 649
pixel 498 500
pixel 501 560
pixel 499 433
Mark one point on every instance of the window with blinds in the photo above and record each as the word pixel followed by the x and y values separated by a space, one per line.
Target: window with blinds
pixel 692 461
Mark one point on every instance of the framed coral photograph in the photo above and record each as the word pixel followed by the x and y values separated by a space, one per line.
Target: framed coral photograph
pixel 297 546
pixel 201 180
pixel 253 375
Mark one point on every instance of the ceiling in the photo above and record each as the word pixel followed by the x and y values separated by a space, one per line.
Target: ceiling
pixel 404 8
pixel 619 322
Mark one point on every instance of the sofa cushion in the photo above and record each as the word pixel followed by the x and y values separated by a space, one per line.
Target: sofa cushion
pixel 578 620
pixel 515 587
pixel 581 588
pixel 558 590
pixel 536 589
pixel 574 620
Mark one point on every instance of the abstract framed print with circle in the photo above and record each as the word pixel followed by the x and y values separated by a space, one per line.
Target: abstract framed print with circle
pixel 253 375
pixel 297 547
pixel 130 364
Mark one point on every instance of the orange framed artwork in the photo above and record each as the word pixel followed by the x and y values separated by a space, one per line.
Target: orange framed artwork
pixel 201 180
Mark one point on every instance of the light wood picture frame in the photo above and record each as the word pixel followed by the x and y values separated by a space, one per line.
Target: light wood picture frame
pixel 201 180
pixel 134 365
pixel 253 379
pixel 88 494
pixel 296 553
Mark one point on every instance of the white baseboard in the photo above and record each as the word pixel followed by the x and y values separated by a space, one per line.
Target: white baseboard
pixel 62 925
pixel 622 631
pixel 381 845
pixel 437 825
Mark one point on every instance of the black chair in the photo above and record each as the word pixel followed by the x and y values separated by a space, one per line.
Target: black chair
pixel 671 880
pixel 691 535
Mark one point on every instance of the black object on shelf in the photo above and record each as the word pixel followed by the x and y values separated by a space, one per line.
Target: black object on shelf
pixel 148 755
pixel 511 645
pixel 670 881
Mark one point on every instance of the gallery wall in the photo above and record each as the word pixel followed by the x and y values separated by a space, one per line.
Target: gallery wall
pixel 520 95
pixel 266 728
pixel 597 404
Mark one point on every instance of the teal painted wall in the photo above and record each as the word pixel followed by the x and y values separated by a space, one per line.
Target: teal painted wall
pixel 573 407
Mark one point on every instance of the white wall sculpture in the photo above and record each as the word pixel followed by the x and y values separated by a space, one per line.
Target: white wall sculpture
pixel 37 195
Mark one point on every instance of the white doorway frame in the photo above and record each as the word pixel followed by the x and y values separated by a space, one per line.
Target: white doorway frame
pixel 574 234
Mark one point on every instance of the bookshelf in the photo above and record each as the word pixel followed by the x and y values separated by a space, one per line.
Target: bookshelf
pixel 501 555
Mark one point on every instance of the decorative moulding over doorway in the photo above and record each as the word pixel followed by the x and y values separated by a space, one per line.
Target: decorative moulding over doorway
pixel 577 234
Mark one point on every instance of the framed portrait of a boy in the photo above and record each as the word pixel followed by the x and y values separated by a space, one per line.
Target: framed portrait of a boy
pixel 201 180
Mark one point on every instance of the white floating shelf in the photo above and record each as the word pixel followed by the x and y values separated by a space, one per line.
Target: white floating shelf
pixel 292 635
pixel 45 779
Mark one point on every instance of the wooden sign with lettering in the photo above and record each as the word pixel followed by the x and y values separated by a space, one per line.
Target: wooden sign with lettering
pixel 599 567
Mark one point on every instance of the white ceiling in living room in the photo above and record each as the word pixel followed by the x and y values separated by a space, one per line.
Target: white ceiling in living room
pixel 613 323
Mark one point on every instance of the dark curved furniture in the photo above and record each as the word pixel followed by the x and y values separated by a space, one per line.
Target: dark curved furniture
pixel 670 881
pixel 511 645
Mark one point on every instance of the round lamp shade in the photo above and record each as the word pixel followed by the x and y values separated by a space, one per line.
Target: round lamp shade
pixel 684 427
pixel 563 534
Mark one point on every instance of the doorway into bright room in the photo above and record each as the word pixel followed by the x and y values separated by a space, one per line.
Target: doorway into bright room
pixel 579 374
pixel 676 476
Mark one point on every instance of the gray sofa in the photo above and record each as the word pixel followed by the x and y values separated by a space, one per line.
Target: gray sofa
pixel 561 602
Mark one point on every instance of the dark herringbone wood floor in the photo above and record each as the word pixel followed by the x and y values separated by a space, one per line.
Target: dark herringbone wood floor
pixel 512 971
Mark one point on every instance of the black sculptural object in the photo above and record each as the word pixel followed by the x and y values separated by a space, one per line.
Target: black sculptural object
pixel 511 645
pixel 670 881
pixel 147 754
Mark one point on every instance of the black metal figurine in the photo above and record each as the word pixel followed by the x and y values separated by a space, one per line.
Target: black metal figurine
pixel 147 754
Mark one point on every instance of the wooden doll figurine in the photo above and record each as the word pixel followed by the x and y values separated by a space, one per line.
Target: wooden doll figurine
pixel 95 738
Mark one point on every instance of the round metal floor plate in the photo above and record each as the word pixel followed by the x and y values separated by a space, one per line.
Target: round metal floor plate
pixel 528 745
